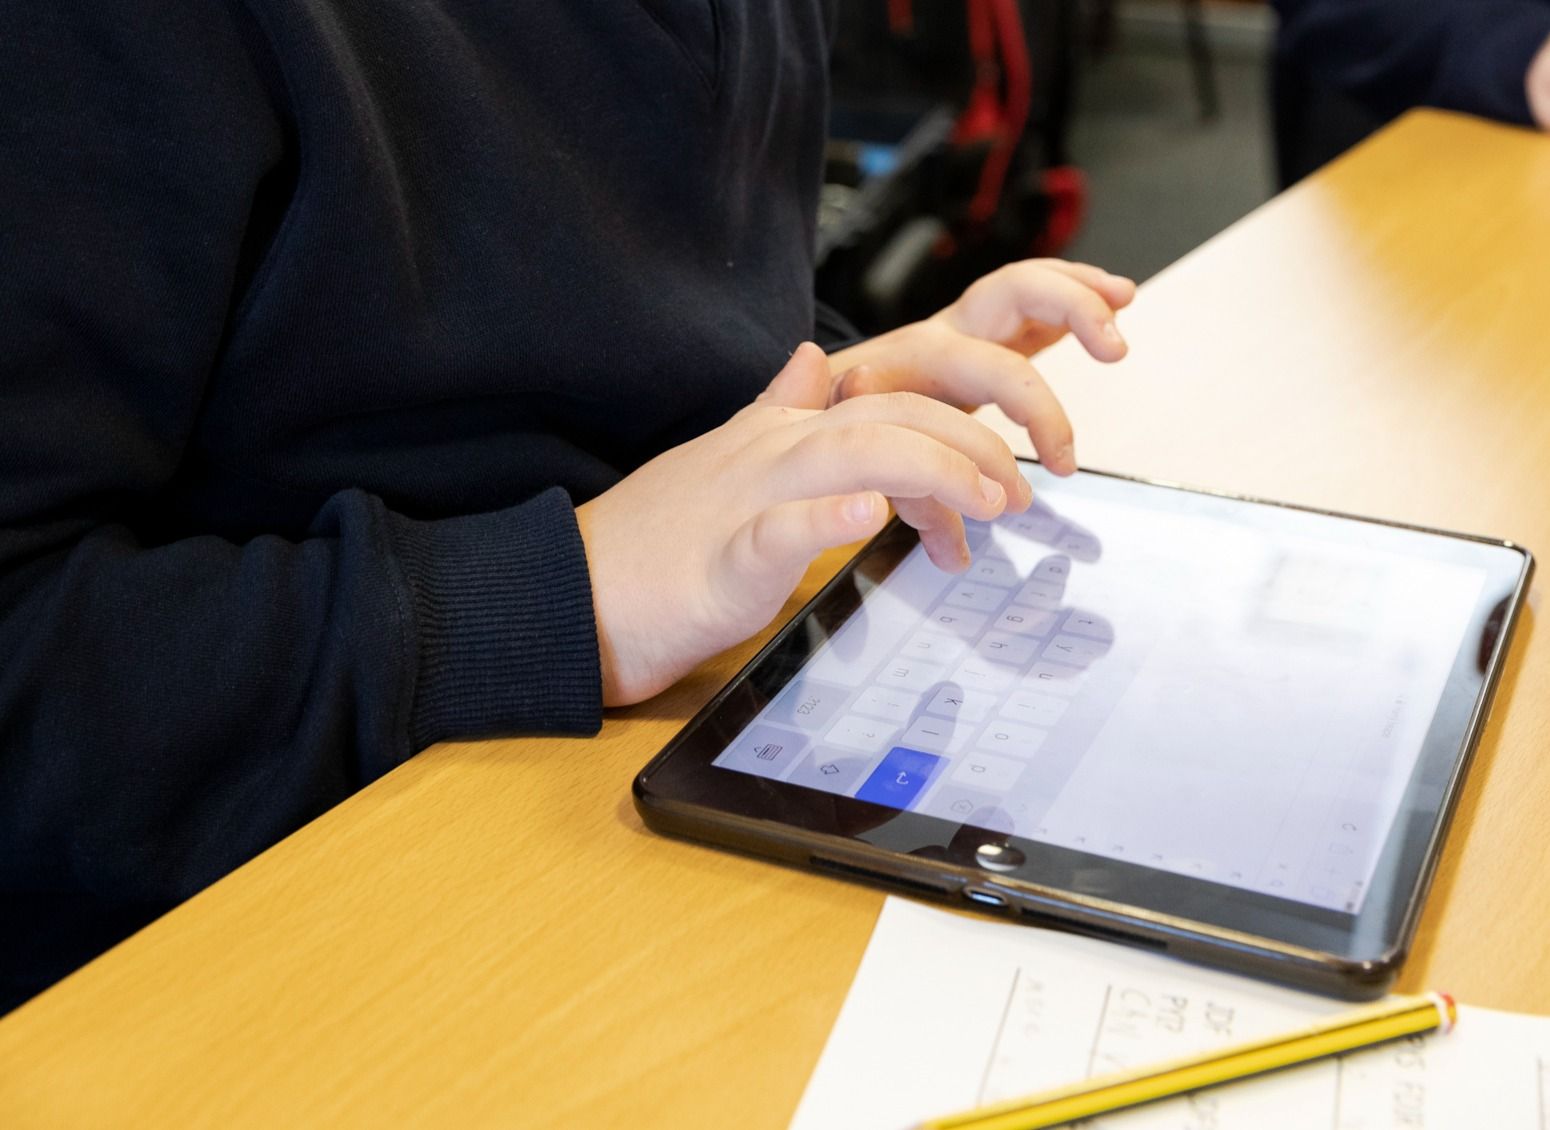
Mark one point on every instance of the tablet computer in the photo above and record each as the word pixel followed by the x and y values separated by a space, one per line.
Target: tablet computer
pixel 1230 729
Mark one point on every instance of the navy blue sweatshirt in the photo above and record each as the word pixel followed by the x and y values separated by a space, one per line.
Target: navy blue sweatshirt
pixel 316 319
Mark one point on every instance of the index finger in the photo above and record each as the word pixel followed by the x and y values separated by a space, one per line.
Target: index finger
pixel 999 306
pixel 976 372
pixel 1117 290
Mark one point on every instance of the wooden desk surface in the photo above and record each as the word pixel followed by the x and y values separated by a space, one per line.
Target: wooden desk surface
pixel 488 936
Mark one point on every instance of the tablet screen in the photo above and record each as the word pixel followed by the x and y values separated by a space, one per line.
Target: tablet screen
pixel 1224 690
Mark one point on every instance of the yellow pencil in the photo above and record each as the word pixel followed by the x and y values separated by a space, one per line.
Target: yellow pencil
pixel 1359 1028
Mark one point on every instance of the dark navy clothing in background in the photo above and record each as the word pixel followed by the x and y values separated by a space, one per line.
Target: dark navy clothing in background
pixel 1345 67
pixel 1391 55
pixel 316 319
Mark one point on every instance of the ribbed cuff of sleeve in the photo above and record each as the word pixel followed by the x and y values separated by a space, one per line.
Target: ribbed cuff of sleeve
pixel 507 642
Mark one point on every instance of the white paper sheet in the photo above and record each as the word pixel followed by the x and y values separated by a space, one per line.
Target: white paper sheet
pixel 948 1012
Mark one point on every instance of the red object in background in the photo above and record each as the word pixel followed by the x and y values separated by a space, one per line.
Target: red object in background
pixel 981 117
pixel 1065 187
pixel 998 106
pixel 997 114
pixel 979 190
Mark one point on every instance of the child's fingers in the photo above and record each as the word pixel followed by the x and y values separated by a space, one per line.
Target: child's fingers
pixel 803 383
pixel 998 307
pixel 940 529
pixel 910 406
pixel 1117 290
pixel 969 370
pixel 982 372
pixel 779 542
pixel 870 455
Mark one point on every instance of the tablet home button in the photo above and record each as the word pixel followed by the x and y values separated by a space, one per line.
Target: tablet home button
pixel 999 857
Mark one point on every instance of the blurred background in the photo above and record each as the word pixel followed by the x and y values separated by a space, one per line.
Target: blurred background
pixel 968 133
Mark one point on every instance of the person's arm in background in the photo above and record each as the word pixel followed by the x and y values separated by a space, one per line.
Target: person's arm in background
pixel 1477 56
pixel 1539 87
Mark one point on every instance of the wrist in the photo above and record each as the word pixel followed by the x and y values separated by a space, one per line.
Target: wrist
pixel 607 650
pixel 628 671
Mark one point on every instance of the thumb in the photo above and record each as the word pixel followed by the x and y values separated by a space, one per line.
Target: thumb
pixel 803 383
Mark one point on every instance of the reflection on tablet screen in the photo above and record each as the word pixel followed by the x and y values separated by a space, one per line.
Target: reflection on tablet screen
pixel 1202 692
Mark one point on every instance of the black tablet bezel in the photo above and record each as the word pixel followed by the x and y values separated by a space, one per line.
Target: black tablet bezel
pixel 681 792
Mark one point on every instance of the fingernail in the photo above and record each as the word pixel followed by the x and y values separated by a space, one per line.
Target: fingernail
pixel 1024 491
pixel 994 493
pixel 860 508
pixel 1066 457
pixel 1111 331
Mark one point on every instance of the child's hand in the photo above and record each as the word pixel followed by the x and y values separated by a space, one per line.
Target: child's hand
pixel 700 548
pixel 975 351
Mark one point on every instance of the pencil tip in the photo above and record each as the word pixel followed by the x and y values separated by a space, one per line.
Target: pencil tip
pixel 1450 1012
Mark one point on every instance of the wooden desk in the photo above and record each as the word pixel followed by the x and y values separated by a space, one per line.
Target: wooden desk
pixel 489 937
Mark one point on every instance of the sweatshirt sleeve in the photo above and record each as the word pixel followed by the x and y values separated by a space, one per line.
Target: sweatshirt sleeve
pixel 171 706
pixel 1390 55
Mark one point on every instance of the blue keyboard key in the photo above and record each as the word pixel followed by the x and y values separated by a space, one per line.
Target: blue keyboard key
pixel 898 780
